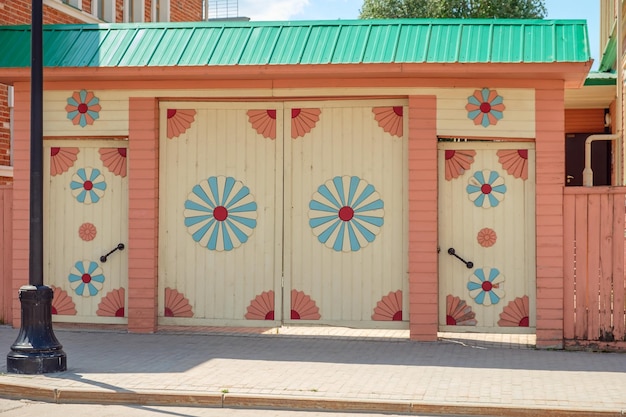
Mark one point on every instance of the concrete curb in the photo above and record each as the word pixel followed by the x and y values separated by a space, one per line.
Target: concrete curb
pixel 253 401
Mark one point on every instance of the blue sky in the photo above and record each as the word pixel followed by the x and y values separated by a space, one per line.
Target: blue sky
pixel 349 9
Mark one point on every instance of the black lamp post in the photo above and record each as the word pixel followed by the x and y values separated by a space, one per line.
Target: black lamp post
pixel 36 350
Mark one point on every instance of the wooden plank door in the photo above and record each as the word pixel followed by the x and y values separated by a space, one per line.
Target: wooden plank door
pixel 220 195
pixel 486 237
pixel 346 213
pixel 86 218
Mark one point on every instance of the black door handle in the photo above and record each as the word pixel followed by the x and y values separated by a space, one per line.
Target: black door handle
pixel 468 264
pixel 103 258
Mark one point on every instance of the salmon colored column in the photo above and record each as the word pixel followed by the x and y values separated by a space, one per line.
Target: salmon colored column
pixel 143 188
pixel 423 278
pixel 550 169
pixel 21 197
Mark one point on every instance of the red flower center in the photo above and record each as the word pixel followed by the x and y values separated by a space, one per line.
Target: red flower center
pixel 450 154
pixel 450 321
pixel 86 278
pixel 220 213
pixel 346 213
pixel 295 315
pixel 487 286
pixel 295 113
pixel 269 315
pixel 485 107
pixel 122 152
pixel 523 153
pixel 119 312
pixel 171 113
pixel 486 189
pixel 88 185
pixel 54 151
pixel 272 114
pixel 82 108
pixel 398 110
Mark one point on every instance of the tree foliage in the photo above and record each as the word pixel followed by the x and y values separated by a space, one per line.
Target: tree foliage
pixel 459 9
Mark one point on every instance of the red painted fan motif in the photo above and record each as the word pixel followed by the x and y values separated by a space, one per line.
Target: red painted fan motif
pixel 114 159
pixel 178 121
pixel 457 162
pixel 458 313
pixel 112 304
pixel 303 121
pixel 62 303
pixel 390 119
pixel 264 122
pixel 515 314
pixel 389 308
pixel 514 161
pixel 62 159
pixel 261 307
pixel 176 305
pixel 303 307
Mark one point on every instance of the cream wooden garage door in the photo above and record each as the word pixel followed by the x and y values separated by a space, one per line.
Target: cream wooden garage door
pixel 283 212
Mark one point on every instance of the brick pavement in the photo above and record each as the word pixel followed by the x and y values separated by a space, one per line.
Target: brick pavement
pixel 296 369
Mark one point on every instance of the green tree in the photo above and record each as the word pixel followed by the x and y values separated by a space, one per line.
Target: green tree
pixel 463 9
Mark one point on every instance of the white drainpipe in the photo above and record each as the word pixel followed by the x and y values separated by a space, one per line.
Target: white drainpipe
pixel 588 172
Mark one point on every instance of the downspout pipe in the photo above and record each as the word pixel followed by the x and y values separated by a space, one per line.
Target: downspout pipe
pixel 588 172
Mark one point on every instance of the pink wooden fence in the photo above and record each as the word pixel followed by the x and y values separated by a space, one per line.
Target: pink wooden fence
pixel 6 295
pixel 594 289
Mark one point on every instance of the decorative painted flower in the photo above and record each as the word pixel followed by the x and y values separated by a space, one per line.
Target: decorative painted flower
pixel 346 213
pixel 514 161
pixel 114 159
pixel 112 304
pixel 457 162
pixel 486 237
pixel 88 185
pixel 261 307
pixel 83 108
pixel 458 313
pixel 176 305
pixel 264 122
pixel 178 121
pixel 220 213
pixel 86 278
pixel 390 119
pixel 303 307
pixel 486 188
pixel 389 308
pixel 303 121
pixel 87 232
pixel 485 107
pixel 516 313
pixel 484 286
pixel 62 159
pixel 62 303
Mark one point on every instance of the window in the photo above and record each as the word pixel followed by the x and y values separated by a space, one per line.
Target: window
pixel 134 10
pixel 104 10
pixel 74 3
pixel 160 10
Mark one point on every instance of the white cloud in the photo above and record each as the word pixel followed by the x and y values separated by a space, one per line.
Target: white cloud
pixel 271 10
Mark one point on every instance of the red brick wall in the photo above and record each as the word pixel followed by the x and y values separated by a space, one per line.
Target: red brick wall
pixel 185 10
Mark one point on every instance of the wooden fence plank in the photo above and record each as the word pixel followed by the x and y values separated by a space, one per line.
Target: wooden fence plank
pixel 6 293
pixel 592 275
pixel 569 259
pixel 619 282
pixel 580 290
pixel 605 255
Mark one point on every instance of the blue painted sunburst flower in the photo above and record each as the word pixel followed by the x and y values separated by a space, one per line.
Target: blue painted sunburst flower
pixel 86 278
pixel 484 286
pixel 88 185
pixel 486 188
pixel 220 213
pixel 346 213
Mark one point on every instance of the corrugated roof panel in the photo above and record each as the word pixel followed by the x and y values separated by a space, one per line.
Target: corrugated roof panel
pixel 320 45
pixel 413 43
pixel 350 45
pixel 201 46
pixel 468 48
pixel 290 45
pixel 260 46
pixel 507 43
pixel 382 43
pixel 230 47
pixel 170 47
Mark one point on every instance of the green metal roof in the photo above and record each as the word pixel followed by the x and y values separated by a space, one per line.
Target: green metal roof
pixel 301 42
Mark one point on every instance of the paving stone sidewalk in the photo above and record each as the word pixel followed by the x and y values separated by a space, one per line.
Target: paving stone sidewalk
pixel 325 372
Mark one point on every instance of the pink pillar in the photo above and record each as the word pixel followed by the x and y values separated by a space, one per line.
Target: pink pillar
pixel 143 187
pixel 423 276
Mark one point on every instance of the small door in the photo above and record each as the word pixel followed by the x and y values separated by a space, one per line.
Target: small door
pixel 486 237
pixel 86 229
